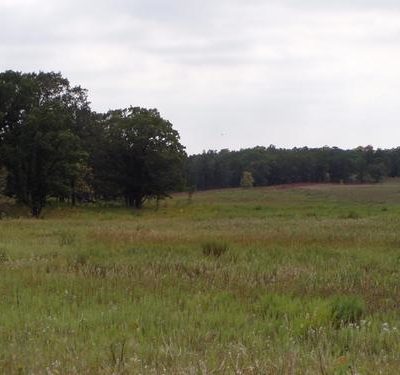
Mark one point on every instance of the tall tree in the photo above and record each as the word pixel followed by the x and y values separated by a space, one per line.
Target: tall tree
pixel 39 143
pixel 143 156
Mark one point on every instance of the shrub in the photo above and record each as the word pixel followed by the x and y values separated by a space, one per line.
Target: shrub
pixel 346 309
pixel 214 248
pixel 247 180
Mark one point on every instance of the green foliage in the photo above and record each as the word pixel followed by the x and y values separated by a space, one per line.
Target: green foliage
pixel 377 171
pixel 39 146
pixel 247 180
pixel 280 307
pixel 143 157
pixel 54 146
pixel 347 309
pixel 275 166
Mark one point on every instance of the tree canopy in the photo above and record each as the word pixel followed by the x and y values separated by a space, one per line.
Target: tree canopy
pixel 142 156
pixel 273 166
pixel 52 145
pixel 39 146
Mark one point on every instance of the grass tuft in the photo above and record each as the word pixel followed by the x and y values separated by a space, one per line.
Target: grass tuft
pixel 346 310
pixel 352 215
pixel 4 257
pixel 214 248
pixel 66 238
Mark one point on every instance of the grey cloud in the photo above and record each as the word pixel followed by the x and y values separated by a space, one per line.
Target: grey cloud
pixel 337 4
pixel 289 72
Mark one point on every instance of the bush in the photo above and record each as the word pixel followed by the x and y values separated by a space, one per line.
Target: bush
pixel 347 309
pixel 247 180
pixel 214 248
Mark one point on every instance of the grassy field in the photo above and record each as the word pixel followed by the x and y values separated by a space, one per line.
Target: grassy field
pixel 301 280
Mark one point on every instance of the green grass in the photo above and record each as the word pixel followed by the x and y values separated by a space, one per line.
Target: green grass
pixel 253 281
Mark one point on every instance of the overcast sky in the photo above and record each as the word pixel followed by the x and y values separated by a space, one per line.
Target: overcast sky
pixel 227 73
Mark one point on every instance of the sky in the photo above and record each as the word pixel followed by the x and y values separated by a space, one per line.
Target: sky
pixel 227 73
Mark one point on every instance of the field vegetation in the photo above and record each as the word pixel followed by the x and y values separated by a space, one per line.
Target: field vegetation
pixel 299 280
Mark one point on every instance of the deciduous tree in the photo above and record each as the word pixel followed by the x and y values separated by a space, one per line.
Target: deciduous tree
pixel 143 155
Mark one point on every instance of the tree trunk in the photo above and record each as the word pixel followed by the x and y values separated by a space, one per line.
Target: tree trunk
pixel 36 211
pixel 138 203
pixel 73 194
pixel 158 202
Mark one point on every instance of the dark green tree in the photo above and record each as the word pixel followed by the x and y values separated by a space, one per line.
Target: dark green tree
pixel 39 142
pixel 45 159
pixel 142 156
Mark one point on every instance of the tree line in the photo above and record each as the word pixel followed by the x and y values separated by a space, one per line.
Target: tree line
pixel 53 145
pixel 273 166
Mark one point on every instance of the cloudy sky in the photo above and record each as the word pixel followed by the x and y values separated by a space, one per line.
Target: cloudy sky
pixel 227 73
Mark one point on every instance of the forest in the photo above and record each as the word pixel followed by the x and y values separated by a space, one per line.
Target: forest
pixel 274 166
pixel 53 145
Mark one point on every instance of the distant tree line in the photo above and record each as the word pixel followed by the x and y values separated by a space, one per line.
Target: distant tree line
pixel 53 145
pixel 273 166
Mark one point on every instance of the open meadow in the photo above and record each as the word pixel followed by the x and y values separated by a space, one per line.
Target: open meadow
pixel 299 280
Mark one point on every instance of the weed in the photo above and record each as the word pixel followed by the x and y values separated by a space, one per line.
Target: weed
pixel 347 309
pixel 66 238
pixel 214 248
pixel 273 306
pixel 4 257
pixel 117 355
pixel 79 261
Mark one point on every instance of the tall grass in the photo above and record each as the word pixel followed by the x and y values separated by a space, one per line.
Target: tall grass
pixel 301 287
